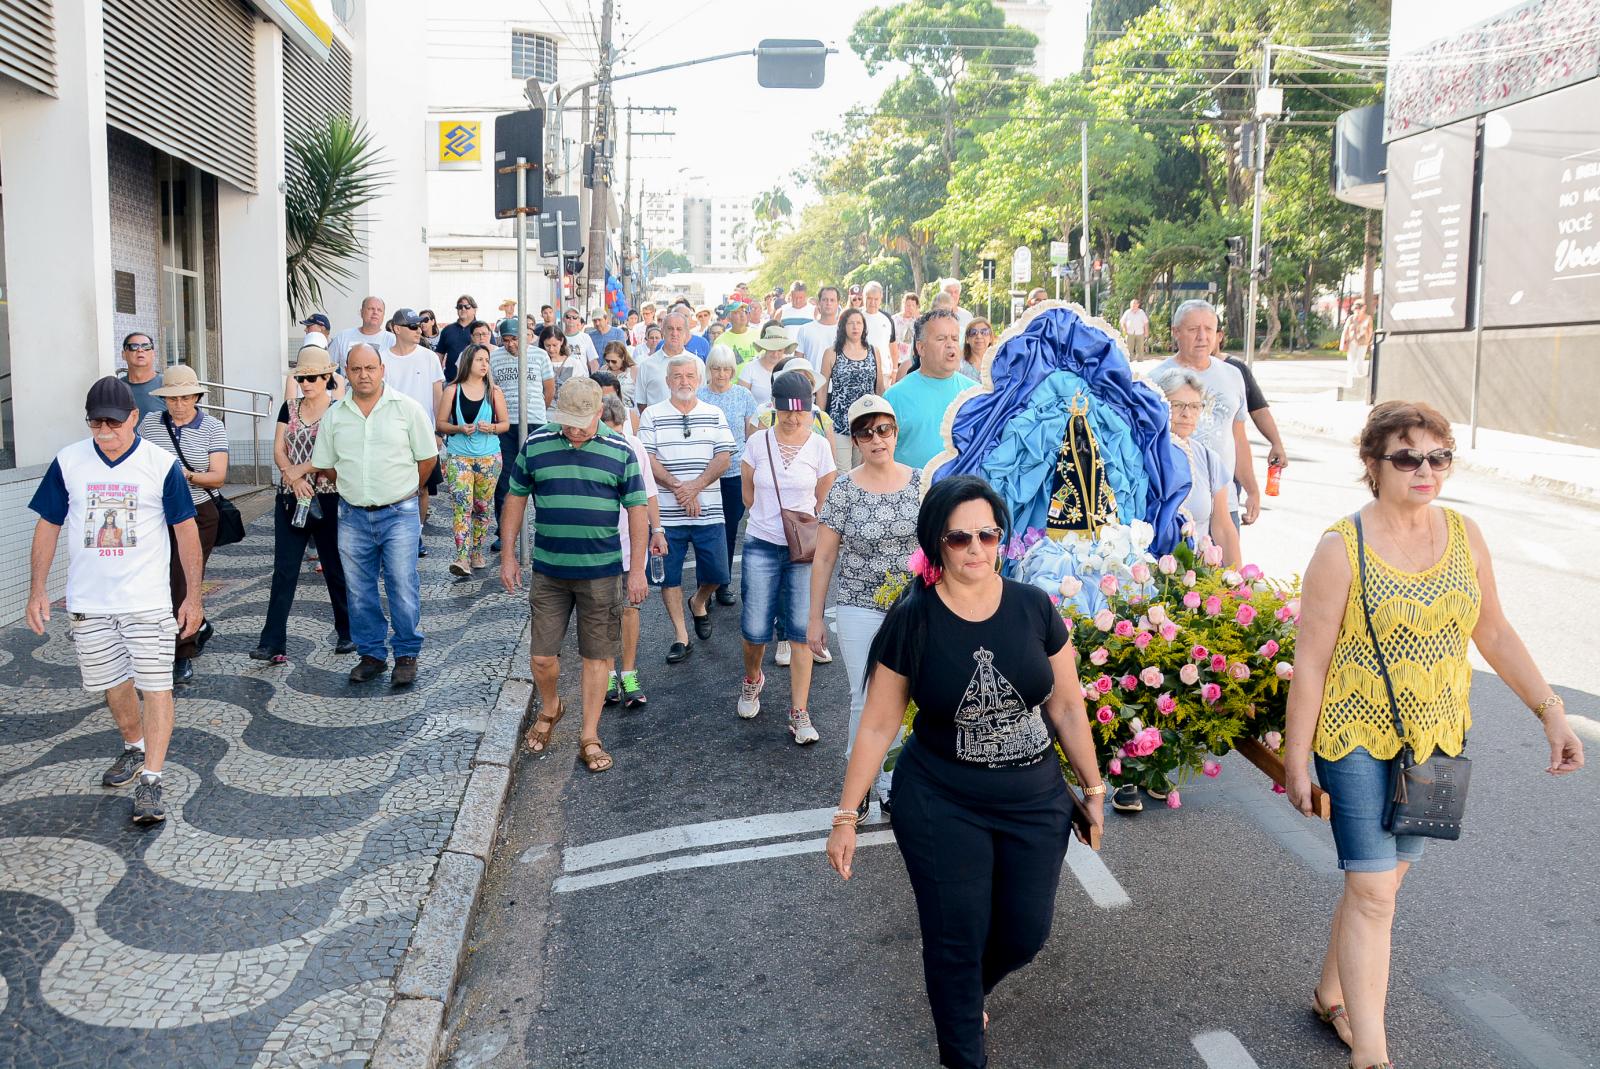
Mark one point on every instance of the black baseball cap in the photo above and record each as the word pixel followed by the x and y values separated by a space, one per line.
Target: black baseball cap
pixel 109 398
pixel 791 392
pixel 407 317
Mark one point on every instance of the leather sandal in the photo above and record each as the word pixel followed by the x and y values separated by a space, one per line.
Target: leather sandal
pixel 594 758
pixel 1330 1015
pixel 538 736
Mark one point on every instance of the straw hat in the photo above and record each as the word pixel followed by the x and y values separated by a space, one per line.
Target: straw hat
pixel 313 360
pixel 179 380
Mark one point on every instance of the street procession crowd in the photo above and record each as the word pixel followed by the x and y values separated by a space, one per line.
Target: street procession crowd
pixel 809 419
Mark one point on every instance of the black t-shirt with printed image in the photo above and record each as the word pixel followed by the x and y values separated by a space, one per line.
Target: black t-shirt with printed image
pixel 981 687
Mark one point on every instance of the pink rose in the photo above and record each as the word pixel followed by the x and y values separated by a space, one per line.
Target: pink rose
pixel 1191 600
pixel 1108 585
pixel 1250 572
pixel 1142 639
pixel 1282 615
pixel 1124 629
pixel 1114 766
pixel 1104 619
pixel 1157 614
pixel 1199 653
pixel 1188 577
pixel 1145 743
pixel 1141 573
pixel 1273 739
pixel 1211 693
pixel 1212 769
pixel 1240 671
pixel 1167 565
pixel 1103 685
pixel 1169 631
pixel 1090 694
pixel 1269 649
pixel 1284 670
pixel 1135 599
pixel 1294 609
pixel 1166 704
pixel 1104 714
pixel 1245 616
pixel 1152 677
pixel 1278 788
pixel 1128 682
pixel 1189 674
pixel 1212 555
pixel 1099 656
pixel 1218 662
pixel 1213 605
pixel 1174 801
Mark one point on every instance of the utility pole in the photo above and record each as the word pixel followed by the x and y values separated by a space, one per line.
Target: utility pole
pixel 1255 213
pixel 629 217
pixel 1083 245
pixel 600 202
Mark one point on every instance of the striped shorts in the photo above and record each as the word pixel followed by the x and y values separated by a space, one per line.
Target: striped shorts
pixel 125 645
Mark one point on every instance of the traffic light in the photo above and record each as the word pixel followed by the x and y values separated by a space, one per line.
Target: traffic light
pixel 786 63
pixel 574 265
pixel 1264 260
pixel 1235 251
pixel 1244 146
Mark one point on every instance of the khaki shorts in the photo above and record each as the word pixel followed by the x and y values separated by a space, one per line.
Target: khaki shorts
pixel 599 603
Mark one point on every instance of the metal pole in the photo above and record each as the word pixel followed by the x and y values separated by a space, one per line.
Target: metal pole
pixel 522 332
pixel 1083 244
pixel 1255 216
pixel 600 195
pixel 1477 327
pixel 626 236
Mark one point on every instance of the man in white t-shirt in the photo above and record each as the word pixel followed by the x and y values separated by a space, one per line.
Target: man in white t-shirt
pixel 317 330
pixel 1135 325
pixel 370 332
pixel 797 311
pixel 881 334
pixel 413 370
pixel 952 286
pixel 116 495
pixel 817 337
pixel 577 341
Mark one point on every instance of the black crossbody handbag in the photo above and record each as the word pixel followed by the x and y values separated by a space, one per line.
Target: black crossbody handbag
pixel 230 525
pixel 1430 798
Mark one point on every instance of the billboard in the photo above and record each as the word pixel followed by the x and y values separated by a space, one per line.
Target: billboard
pixel 1541 201
pixel 1427 255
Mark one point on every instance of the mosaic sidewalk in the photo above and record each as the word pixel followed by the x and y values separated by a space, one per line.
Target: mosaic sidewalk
pixel 262 925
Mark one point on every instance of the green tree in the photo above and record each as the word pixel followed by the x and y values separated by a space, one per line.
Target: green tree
pixel 333 176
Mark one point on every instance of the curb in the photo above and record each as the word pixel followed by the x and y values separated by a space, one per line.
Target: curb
pixel 414 1021
pixel 1579 492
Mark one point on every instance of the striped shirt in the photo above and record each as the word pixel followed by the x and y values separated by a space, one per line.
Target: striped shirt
pixel 686 443
pixel 576 492
pixel 200 437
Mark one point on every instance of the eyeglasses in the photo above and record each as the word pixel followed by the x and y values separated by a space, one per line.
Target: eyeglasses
pixel 111 424
pixel 1411 459
pixel 138 347
pixel 1188 408
pixel 882 430
pixel 309 378
pixel 988 537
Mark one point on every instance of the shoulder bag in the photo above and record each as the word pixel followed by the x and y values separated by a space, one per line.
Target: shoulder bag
pixel 799 528
pixel 1428 799
pixel 230 525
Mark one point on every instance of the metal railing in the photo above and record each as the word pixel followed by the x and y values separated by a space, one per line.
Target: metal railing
pixel 255 423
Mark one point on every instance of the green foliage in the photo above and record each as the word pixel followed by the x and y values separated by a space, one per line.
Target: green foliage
pixel 669 261
pixel 333 176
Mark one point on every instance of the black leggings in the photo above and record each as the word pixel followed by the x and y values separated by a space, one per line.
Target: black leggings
pixel 983 848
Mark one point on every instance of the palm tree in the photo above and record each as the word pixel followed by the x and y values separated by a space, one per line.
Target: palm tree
pixel 333 176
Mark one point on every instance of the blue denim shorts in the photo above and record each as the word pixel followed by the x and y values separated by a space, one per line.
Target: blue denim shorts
pixel 767 572
pixel 710 554
pixel 1358 788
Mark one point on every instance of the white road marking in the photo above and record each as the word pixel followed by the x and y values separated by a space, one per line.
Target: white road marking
pixel 1582 725
pixel 1096 879
pixel 718 857
pixel 1222 1050
pixel 690 836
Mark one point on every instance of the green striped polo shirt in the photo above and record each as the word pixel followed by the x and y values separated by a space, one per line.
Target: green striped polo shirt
pixel 576 491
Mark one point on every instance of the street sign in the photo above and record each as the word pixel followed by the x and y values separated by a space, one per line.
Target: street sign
pixel 988 270
pixel 566 209
pixel 1016 305
pixel 1060 252
pixel 1022 265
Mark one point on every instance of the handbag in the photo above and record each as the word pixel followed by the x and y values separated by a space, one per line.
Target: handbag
pixel 799 528
pixel 230 525
pixel 1430 798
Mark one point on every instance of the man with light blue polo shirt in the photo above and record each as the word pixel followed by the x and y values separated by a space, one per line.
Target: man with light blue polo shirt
pixel 922 397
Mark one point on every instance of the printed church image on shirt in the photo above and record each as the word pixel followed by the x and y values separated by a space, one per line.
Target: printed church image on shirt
pixel 111 521
pixel 993 726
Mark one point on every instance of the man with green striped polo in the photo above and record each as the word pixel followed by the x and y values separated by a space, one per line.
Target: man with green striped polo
pixel 578 472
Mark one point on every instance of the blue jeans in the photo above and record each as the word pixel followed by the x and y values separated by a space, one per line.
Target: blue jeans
pixel 1358 792
pixel 382 542
pixel 771 582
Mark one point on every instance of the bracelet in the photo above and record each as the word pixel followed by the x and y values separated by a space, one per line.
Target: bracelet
pixel 1094 792
pixel 845 816
pixel 1540 709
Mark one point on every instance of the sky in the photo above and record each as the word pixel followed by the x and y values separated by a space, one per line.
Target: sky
pixel 740 138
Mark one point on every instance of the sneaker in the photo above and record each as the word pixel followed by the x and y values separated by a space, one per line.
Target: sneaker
pixel 822 658
pixel 345 645
pixel 148 807
pixel 125 769
pixel 459 568
pixel 182 672
pixel 800 727
pixel 780 654
pixel 1126 799
pixel 494 547
pixel 881 787
pixel 422 550
pixel 614 691
pixel 1160 796
pixel 750 697
pixel 632 693
pixel 479 561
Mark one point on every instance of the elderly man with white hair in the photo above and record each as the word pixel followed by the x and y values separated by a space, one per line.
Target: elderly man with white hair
pixel 881 334
pixel 1221 421
pixel 952 286
pixel 690 447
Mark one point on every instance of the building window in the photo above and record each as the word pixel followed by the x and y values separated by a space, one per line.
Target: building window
pixel 533 55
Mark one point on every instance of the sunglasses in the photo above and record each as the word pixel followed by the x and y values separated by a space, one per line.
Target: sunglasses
pixel 979 330
pixel 138 347
pixel 98 423
pixel 988 537
pixel 465 307
pixel 427 319
pixel 1411 459
pixel 882 430
pixel 686 424
pixel 309 378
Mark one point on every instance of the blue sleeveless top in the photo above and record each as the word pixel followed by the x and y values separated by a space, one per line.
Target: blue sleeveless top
pixel 478 443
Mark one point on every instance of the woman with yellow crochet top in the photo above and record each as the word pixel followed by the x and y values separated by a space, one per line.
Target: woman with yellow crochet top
pixel 1429 588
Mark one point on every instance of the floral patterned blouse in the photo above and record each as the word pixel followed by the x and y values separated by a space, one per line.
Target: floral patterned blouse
pixel 298 438
pixel 877 532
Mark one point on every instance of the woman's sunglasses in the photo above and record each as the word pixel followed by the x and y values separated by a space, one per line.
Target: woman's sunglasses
pixel 309 378
pixel 988 537
pixel 882 430
pixel 1411 459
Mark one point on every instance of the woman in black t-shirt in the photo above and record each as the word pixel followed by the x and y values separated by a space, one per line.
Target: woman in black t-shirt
pixel 981 810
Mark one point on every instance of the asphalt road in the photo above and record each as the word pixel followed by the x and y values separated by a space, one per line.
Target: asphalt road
pixel 609 934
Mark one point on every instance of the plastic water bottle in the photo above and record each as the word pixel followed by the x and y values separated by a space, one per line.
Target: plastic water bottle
pixel 302 510
pixel 658 569
pixel 1274 479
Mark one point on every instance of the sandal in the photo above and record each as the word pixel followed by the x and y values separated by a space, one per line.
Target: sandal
pixel 538 736
pixel 1331 1015
pixel 593 757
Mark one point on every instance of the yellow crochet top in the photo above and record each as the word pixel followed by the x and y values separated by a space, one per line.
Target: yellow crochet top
pixel 1424 620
